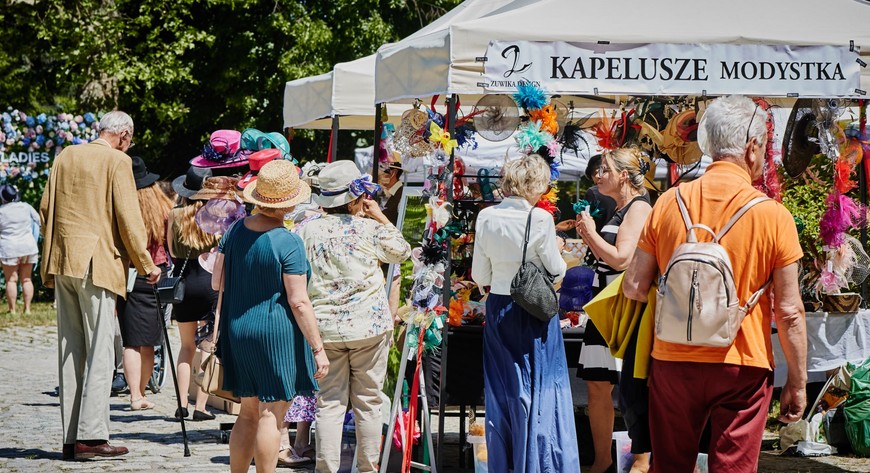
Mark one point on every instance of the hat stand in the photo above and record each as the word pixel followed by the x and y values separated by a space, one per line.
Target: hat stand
pixel 168 345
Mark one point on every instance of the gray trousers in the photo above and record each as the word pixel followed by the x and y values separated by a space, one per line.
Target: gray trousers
pixel 86 358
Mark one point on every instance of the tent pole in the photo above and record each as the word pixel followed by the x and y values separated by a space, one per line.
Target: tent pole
pixel 862 189
pixel 333 140
pixel 376 150
pixel 448 184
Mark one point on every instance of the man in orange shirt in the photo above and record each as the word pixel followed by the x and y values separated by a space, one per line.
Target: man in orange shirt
pixel 730 387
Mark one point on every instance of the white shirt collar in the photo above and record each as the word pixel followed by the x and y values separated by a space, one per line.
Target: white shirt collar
pixel 516 203
pixel 394 189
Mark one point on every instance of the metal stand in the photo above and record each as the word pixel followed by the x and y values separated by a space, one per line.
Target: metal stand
pixel 396 408
pixel 172 367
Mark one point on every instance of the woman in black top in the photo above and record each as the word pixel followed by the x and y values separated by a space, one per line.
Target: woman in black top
pixel 621 177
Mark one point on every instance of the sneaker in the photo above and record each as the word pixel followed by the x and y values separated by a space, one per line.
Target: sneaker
pixel 119 384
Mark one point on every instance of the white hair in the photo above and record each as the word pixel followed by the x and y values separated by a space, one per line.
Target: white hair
pixel 116 123
pixel 725 123
pixel 527 177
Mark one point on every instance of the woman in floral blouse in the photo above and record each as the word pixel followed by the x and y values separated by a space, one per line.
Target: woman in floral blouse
pixel 347 289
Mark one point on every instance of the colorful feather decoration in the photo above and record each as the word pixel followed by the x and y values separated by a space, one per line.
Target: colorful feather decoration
pixel 547 116
pixel 842 214
pixel 531 137
pixel 530 97
pixel 843 171
pixel 770 182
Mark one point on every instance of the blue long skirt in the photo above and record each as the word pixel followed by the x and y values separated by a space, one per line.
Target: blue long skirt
pixel 529 409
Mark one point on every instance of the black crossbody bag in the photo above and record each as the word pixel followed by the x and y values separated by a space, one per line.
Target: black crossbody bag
pixel 532 287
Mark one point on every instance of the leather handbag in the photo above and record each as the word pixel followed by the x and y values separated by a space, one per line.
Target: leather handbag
pixel 170 290
pixel 211 378
pixel 532 287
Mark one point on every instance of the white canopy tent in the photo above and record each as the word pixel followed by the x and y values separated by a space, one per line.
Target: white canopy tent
pixel 348 91
pixel 449 61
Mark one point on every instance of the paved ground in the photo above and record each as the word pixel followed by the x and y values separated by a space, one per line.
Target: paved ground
pixel 30 433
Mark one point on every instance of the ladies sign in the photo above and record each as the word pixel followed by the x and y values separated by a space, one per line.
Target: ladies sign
pixel 675 69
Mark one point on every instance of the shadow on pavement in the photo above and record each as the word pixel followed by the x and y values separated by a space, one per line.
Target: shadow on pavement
pixel 29 453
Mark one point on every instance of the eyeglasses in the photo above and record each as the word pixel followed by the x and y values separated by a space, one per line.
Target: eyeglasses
pixel 602 171
pixel 754 112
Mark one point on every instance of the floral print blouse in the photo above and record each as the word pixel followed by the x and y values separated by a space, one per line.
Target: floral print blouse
pixel 347 287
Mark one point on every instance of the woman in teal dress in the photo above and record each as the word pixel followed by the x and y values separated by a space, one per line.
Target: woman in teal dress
pixel 268 338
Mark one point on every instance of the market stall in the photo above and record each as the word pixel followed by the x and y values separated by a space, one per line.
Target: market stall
pixel 576 50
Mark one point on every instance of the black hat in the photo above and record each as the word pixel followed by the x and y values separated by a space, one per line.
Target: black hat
pixel 593 164
pixel 8 193
pixel 141 175
pixel 191 183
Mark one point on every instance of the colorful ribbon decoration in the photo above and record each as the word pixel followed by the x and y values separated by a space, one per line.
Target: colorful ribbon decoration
pixel 363 185
pixel 439 136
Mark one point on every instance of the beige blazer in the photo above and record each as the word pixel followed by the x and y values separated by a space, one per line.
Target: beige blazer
pixel 91 213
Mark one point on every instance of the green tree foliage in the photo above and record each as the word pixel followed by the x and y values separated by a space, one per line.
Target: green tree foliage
pixel 183 68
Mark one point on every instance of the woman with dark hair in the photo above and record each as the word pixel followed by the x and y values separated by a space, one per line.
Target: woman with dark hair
pixel 19 233
pixel 138 317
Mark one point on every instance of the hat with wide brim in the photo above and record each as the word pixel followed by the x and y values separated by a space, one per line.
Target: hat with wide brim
pixel 190 183
pixel 256 162
pixel 223 150
pixel 334 181
pixel 217 187
pixel 680 139
pixel 141 175
pixel 277 186
pixel 797 149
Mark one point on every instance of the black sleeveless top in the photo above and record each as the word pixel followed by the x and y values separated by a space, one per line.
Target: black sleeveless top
pixel 604 273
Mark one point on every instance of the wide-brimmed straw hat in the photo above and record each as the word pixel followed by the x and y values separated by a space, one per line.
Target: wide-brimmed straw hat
pixel 342 182
pixel 190 183
pixel 277 186
pixel 217 187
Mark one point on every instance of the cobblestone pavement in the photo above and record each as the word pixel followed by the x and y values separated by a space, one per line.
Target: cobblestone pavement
pixel 30 426
pixel 30 430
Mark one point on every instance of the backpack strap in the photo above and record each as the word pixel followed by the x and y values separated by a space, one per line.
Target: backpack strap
pixel 690 227
pixel 739 214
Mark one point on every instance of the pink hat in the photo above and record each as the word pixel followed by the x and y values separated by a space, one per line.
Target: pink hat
pixel 255 162
pixel 222 151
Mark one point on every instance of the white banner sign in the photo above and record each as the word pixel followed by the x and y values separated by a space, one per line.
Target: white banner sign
pixel 674 69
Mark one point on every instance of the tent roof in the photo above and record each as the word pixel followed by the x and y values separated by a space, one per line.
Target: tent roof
pixel 446 61
pixel 349 90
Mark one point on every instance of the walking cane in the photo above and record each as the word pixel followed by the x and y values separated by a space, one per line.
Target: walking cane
pixel 168 345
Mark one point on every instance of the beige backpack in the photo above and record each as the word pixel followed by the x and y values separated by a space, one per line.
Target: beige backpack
pixel 696 301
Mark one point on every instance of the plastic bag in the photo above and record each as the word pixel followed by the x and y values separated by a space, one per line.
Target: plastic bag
pixel 857 410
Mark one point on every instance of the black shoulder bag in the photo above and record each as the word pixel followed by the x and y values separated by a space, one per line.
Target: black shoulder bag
pixel 170 290
pixel 532 287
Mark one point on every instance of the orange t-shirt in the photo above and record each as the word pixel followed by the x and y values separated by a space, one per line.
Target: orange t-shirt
pixel 763 239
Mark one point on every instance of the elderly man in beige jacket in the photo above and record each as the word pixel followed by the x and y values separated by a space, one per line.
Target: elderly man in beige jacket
pixel 93 228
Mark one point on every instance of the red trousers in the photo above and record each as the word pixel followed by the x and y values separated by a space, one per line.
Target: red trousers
pixel 683 396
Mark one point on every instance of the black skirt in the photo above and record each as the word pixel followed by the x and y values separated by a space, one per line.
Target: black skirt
pixel 199 298
pixel 138 315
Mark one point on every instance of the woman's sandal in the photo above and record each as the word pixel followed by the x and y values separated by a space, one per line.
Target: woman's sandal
pixel 141 404
pixel 293 460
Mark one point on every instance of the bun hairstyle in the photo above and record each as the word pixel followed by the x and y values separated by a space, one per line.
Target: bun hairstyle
pixel 632 160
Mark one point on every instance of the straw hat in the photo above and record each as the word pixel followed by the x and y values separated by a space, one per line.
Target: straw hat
pixel 217 187
pixel 277 186
pixel 679 140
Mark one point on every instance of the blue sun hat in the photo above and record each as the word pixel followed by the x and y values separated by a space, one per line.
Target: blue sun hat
pixel 576 288
pixel 255 140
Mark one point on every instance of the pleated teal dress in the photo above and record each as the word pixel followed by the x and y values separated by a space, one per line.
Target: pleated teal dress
pixel 261 347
